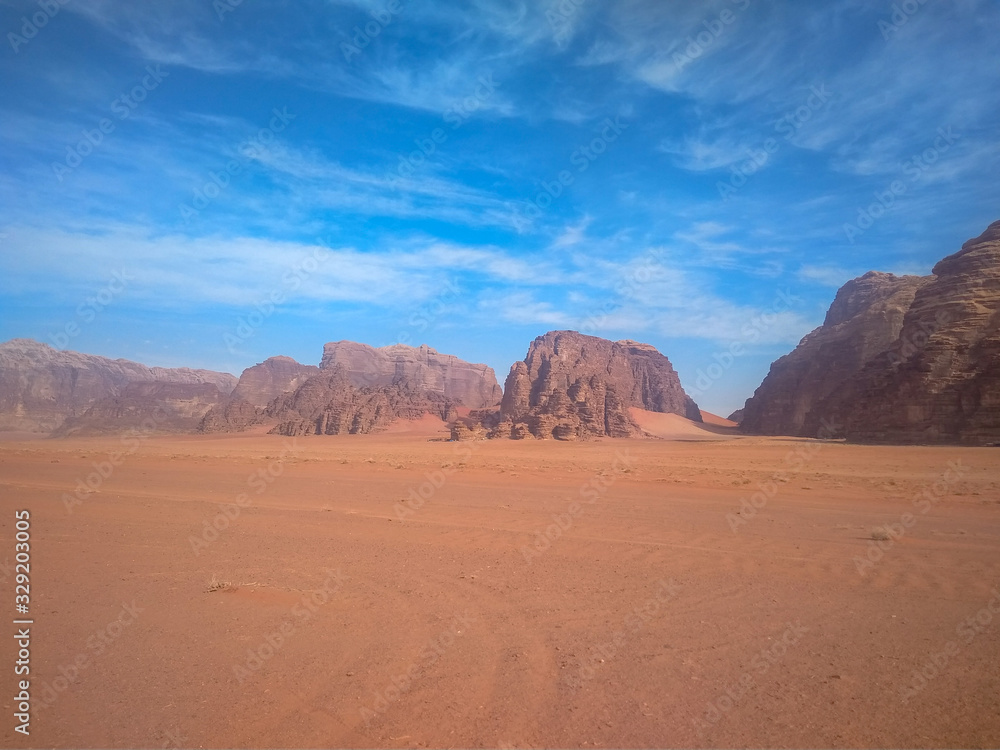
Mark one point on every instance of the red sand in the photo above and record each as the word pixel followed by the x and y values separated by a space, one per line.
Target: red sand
pixel 455 623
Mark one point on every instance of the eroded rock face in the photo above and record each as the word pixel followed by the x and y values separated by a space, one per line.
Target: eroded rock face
pixel 416 369
pixel 144 409
pixel 939 382
pixel 275 376
pixel 330 404
pixel 864 320
pixel 356 389
pixel 40 387
pixel 572 386
pixel 936 381
pixel 232 415
pixel 258 386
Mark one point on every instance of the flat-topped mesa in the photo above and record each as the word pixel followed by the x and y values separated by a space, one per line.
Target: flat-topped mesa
pixel 572 386
pixel 910 360
pixel 417 368
pixel 865 318
pixel 41 387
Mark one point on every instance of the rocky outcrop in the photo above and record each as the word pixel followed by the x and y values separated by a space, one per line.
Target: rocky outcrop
pixel 258 386
pixel 936 381
pixel 40 387
pixel 939 382
pixel 232 415
pixel 736 416
pixel 330 404
pixel 275 376
pixel 145 408
pixel 571 386
pixel 356 389
pixel 865 318
pixel 415 369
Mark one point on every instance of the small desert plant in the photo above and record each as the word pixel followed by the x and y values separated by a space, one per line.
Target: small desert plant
pixel 216 585
pixel 880 534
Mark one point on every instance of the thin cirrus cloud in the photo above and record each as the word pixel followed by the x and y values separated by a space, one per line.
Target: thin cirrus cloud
pixel 524 202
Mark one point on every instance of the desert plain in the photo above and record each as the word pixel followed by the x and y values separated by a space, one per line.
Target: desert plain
pixel 707 589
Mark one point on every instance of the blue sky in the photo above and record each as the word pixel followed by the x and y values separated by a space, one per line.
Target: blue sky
pixel 212 183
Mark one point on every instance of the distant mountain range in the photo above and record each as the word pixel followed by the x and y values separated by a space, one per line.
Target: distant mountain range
pixel 898 359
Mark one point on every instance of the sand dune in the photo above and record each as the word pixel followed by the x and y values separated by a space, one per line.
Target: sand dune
pixel 676 427
pixel 715 419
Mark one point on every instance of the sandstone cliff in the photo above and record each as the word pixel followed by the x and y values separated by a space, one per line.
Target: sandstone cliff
pixel 330 404
pixel 415 368
pixel 939 382
pixel 40 387
pixel 356 389
pixel 865 318
pixel 145 408
pixel 275 376
pixel 573 386
pixel 937 378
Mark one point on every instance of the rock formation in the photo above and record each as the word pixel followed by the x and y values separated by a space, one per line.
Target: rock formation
pixel 356 389
pixel 417 368
pixel 330 404
pixel 864 319
pixel 145 408
pixel 275 376
pixel 939 382
pixel 936 381
pixel 40 387
pixel 736 416
pixel 572 386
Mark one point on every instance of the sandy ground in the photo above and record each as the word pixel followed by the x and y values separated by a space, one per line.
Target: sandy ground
pixel 403 591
